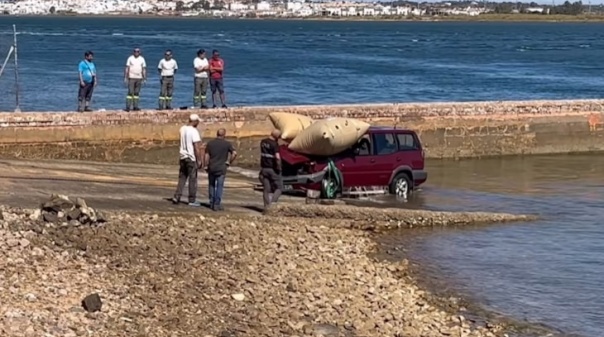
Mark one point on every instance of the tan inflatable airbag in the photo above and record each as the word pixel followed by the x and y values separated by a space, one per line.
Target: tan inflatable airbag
pixel 329 136
pixel 289 124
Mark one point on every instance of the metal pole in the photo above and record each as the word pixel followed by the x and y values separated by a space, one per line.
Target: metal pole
pixel 10 52
pixel 17 107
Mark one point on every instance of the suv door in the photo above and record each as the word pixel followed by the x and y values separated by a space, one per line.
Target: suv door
pixel 355 165
pixel 383 161
pixel 410 151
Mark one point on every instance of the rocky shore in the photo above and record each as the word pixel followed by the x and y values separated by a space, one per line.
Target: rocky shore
pixel 225 275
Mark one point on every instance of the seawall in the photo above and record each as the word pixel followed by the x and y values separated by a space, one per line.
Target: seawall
pixel 447 130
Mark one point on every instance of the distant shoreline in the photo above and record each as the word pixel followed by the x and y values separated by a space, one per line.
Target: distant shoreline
pixel 456 18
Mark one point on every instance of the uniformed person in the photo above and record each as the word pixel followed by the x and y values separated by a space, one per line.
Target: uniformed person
pixel 201 67
pixel 135 75
pixel 167 69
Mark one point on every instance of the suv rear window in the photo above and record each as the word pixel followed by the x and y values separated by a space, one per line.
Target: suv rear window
pixel 406 142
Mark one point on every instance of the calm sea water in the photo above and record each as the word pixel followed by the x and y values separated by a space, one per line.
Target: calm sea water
pixel 548 271
pixel 311 62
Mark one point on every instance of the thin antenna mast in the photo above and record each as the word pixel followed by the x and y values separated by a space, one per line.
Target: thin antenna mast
pixel 10 52
pixel 17 107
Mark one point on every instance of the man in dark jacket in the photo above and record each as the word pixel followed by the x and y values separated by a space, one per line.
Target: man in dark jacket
pixel 270 171
pixel 219 155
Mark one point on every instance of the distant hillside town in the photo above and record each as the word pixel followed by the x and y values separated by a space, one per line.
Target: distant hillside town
pixel 287 8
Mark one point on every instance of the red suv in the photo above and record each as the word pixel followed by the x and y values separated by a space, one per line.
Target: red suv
pixel 384 158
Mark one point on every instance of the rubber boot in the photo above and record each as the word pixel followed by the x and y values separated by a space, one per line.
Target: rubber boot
pixel 196 103
pixel 203 102
pixel 169 103
pixel 80 106
pixel 135 104
pixel 87 107
pixel 128 104
pixel 162 104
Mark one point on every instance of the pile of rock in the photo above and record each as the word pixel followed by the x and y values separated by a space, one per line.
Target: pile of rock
pixel 60 208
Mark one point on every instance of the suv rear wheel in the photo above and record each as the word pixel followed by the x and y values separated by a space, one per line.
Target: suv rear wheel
pixel 401 185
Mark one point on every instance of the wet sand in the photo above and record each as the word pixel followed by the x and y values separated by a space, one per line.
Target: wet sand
pixel 113 186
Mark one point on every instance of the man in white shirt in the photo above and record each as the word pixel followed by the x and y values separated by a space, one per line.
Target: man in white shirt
pixel 167 68
pixel 135 76
pixel 202 68
pixel 191 159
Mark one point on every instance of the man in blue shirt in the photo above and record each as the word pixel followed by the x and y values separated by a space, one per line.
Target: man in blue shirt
pixel 88 81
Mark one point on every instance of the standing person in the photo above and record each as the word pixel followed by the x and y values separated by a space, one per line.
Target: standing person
pixel 167 68
pixel 270 169
pixel 191 159
pixel 135 75
pixel 219 155
pixel 216 78
pixel 88 81
pixel 201 66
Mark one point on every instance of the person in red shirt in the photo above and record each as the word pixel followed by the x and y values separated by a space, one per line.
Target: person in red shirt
pixel 216 79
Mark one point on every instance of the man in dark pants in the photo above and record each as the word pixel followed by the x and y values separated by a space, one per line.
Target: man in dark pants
pixel 220 154
pixel 270 169
pixel 88 81
pixel 217 79
pixel 167 68
pixel 191 159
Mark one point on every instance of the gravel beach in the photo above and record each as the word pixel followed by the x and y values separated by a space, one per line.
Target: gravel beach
pixel 212 275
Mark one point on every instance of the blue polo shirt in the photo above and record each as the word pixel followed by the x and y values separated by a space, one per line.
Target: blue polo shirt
pixel 88 71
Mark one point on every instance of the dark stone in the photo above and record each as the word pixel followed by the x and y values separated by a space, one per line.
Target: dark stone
pixel 92 303
pixel 291 288
pixel 50 217
pixel 74 214
pixel 1 216
pixel 81 246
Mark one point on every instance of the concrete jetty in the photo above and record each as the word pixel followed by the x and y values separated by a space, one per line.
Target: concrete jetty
pixel 447 130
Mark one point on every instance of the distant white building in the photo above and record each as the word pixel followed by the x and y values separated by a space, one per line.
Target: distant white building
pixel 538 10
pixel 238 6
pixel 263 6
pixel 403 10
pixel 293 6
pixel 333 11
pixel 304 11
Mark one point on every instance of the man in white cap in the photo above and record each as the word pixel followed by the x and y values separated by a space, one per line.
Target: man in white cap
pixel 191 159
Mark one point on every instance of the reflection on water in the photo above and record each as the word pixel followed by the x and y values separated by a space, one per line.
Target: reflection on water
pixel 549 271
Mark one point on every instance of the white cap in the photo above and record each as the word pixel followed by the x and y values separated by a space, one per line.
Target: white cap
pixel 193 117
